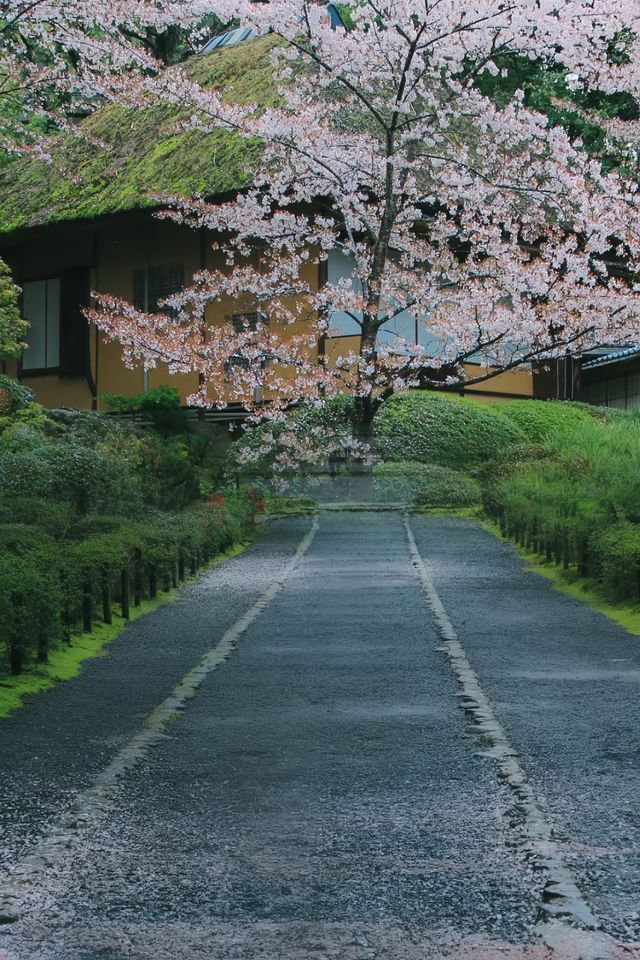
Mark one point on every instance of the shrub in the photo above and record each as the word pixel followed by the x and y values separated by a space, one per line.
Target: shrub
pixel 168 470
pixel 318 431
pixel 448 488
pixel 68 472
pixel 452 432
pixel 162 406
pixel 616 558
pixel 426 484
pixel 29 594
pixel 13 395
pixel 538 418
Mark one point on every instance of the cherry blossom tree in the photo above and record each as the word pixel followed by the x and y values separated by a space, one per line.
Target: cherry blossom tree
pixel 480 222
pixel 61 57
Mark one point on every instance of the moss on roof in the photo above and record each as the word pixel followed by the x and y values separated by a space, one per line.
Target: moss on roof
pixel 144 154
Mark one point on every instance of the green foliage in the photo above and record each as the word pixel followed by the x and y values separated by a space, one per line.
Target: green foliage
pixel 13 328
pixel 582 113
pixel 161 406
pixel 428 485
pixel 46 584
pixel 537 419
pixel 13 396
pixel 88 503
pixel 576 499
pixel 324 428
pixel 29 594
pixel 431 428
pixel 68 472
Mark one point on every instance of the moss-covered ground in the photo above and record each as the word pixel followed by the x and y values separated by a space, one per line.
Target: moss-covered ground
pixel 66 661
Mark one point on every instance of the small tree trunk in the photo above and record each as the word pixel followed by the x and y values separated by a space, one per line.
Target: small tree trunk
pixel 181 570
pixel 106 602
pixel 43 646
pixel 194 563
pixel 153 584
pixel 15 658
pixel 65 613
pixel 16 647
pixel 174 573
pixel 137 578
pixel 124 593
pixel 87 607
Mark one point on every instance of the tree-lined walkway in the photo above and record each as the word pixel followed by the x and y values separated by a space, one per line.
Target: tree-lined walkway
pixel 322 795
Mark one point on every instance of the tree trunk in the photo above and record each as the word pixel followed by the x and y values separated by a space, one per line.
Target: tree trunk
pixel 87 607
pixel 106 602
pixel 15 658
pixel 43 646
pixel 137 578
pixel 124 593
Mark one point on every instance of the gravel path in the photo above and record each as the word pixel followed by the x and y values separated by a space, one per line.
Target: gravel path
pixel 322 796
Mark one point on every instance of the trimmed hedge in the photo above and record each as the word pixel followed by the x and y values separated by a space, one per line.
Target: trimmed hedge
pixel 576 501
pixel 49 588
pixel 449 431
pixel 537 419
pixel 425 484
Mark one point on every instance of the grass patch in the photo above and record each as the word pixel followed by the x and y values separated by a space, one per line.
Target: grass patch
pixel 570 583
pixel 463 513
pixel 290 507
pixel 65 662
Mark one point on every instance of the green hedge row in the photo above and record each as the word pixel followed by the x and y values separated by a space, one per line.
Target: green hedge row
pixel 576 501
pixel 443 430
pixel 48 588
pixel 425 484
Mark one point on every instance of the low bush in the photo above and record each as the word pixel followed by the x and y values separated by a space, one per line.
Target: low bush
pixel 449 488
pixel 577 502
pixel 425 484
pixel 538 419
pixel 49 587
pixel 13 395
pixel 449 431
pixel 303 439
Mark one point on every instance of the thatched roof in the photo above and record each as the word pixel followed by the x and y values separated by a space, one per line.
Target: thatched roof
pixel 144 156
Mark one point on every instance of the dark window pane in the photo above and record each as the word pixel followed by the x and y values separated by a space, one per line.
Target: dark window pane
pixel 151 285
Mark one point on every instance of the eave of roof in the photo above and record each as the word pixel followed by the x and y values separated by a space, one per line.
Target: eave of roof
pixel 144 156
pixel 616 356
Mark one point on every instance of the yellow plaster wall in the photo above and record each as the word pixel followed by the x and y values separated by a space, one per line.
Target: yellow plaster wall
pixel 120 252
pixel 517 383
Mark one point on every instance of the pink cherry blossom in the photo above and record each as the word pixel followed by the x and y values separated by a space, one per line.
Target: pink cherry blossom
pixel 487 227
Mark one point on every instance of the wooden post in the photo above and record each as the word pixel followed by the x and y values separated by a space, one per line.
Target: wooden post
pixel 124 593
